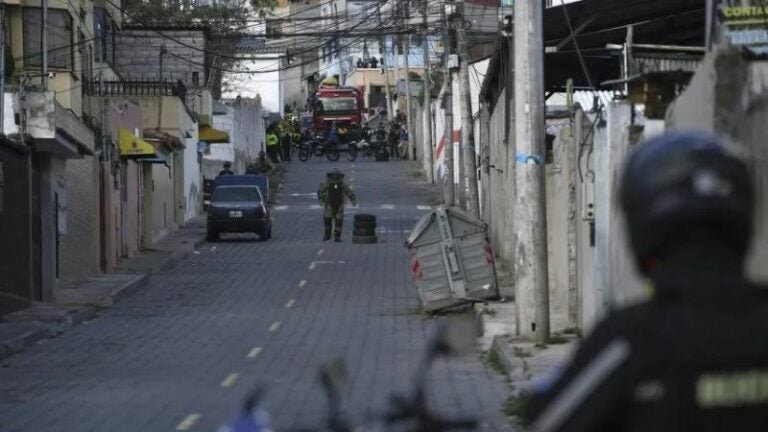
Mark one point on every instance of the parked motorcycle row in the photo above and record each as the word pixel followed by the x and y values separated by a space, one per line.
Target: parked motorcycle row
pixel 365 143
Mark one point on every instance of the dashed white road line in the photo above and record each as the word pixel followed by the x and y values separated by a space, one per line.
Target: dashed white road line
pixel 290 303
pixel 321 251
pixel 388 206
pixel 254 352
pixel 281 207
pixel 315 207
pixel 424 207
pixel 312 265
pixel 230 380
pixel 302 283
pixel 274 327
pixel 188 422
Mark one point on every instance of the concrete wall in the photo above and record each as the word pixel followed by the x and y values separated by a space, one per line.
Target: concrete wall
pixel 589 300
pixel 501 193
pixel 120 185
pixel 79 253
pixel 616 280
pixel 162 200
pixel 131 208
pixel 175 120
pixel 137 53
pixel 245 126
pixel 561 183
pixel 727 96
pixel 193 189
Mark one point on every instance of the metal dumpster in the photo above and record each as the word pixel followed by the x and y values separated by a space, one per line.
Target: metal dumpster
pixel 452 261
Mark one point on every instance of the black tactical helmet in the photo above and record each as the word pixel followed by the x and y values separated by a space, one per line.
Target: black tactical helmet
pixel 680 179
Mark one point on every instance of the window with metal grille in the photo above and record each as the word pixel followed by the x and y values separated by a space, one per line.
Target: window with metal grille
pixel 60 46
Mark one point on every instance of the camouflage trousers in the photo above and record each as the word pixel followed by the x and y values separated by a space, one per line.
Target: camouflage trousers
pixel 333 217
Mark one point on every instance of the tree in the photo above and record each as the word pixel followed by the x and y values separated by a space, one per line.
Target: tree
pixel 222 18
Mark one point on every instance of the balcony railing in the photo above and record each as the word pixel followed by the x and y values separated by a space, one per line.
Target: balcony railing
pixel 136 88
pixel 140 88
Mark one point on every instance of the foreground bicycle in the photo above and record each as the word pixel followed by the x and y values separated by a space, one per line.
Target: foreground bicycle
pixel 406 413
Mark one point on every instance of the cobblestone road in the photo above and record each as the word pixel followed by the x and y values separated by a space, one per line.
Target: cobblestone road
pixel 182 353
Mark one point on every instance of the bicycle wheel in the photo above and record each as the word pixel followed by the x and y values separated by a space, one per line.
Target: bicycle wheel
pixel 352 153
pixel 332 154
pixel 303 154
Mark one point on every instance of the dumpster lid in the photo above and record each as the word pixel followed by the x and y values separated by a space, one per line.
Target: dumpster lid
pixel 427 219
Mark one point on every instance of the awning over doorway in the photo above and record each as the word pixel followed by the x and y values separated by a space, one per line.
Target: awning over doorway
pixel 159 158
pixel 132 146
pixel 211 135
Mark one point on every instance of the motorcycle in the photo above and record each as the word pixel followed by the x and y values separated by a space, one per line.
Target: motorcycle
pixel 365 149
pixel 409 413
pixel 352 151
pixel 319 148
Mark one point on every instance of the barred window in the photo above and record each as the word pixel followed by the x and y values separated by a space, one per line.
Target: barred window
pixel 60 47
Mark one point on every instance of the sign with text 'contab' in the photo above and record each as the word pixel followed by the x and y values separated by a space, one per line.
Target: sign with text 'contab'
pixel 745 23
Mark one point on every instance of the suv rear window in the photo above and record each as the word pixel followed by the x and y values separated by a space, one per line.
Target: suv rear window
pixel 236 194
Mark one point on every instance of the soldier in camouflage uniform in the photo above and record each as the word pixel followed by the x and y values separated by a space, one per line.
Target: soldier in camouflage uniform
pixel 334 193
pixel 261 166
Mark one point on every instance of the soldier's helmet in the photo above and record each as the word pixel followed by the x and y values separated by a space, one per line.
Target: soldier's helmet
pixel 683 178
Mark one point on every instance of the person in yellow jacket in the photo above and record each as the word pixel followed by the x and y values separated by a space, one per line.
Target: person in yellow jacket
pixel 273 146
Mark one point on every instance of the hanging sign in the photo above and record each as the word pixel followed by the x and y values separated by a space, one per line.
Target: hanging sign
pixel 745 23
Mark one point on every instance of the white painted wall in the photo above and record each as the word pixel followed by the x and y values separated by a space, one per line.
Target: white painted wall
pixel 193 191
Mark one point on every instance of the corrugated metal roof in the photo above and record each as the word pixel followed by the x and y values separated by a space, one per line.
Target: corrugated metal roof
pixel 256 45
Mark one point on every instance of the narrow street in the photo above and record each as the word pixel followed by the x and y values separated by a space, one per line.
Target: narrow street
pixel 182 353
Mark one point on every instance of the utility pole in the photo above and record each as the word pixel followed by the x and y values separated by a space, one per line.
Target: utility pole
pixel 409 116
pixel 469 162
pixel 337 45
pixel 530 227
pixel 395 63
pixel 450 192
pixel 44 43
pixel 161 91
pixel 383 52
pixel 427 143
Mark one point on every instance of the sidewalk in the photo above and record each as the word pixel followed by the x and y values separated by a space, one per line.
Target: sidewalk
pixel 522 362
pixel 82 301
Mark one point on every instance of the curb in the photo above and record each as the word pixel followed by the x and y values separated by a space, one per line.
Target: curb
pixel 19 343
pixel 178 256
pixel 31 331
pixel 129 289
pixel 516 368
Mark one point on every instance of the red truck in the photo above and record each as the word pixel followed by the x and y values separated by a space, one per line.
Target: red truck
pixel 343 105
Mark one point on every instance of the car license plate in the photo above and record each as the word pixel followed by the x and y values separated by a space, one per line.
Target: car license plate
pixel 235 214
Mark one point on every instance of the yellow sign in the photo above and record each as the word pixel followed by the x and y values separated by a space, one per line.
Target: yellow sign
pixel 744 11
pixel 131 145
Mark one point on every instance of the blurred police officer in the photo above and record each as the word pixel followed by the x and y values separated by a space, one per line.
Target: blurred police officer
pixel 695 356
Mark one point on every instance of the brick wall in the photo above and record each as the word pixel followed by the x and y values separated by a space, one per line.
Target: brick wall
pixel 138 55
